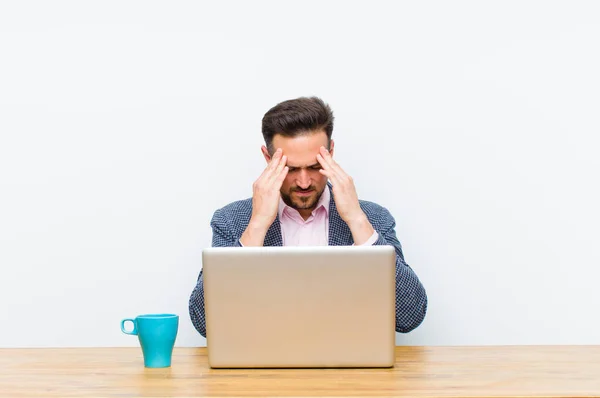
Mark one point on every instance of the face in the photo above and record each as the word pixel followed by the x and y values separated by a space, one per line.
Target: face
pixel 303 184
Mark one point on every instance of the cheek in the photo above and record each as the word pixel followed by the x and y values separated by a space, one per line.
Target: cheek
pixel 319 178
pixel 287 183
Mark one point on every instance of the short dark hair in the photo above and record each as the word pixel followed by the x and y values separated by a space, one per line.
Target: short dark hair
pixel 297 117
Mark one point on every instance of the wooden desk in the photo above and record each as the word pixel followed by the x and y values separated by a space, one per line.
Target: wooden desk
pixel 514 371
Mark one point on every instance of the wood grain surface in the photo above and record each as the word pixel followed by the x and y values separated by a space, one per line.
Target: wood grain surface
pixel 498 371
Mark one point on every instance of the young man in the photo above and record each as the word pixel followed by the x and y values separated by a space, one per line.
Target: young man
pixel 293 204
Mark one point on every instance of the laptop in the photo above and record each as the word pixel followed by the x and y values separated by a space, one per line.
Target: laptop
pixel 300 307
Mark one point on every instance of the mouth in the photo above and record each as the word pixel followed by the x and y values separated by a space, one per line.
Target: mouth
pixel 307 192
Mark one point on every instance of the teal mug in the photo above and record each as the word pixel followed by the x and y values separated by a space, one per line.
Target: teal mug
pixel 157 334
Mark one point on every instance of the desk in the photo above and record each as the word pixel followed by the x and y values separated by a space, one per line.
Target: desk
pixel 513 371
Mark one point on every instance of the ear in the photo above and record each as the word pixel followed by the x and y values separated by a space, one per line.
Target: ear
pixel 331 145
pixel 265 153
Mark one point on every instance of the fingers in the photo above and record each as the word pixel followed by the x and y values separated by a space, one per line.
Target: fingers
pixel 275 159
pixel 328 170
pixel 332 170
pixel 273 163
pixel 329 163
pixel 281 164
pixel 321 159
pixel 280 178
pixel 331 175
pixel 277 172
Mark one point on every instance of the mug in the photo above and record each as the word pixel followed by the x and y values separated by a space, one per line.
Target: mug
pixel 157 334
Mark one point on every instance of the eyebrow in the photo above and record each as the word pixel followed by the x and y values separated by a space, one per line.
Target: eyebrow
pixel 308 167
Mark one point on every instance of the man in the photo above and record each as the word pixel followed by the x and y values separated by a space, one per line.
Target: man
pixel 293 204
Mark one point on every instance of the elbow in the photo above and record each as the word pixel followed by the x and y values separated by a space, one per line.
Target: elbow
pixel 409 319
pixel 196 310
pixel 198 322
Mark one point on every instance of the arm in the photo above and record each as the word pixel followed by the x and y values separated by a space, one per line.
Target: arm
pixel 411 297
pixel 196 304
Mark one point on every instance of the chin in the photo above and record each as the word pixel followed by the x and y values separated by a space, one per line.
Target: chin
pixel 299 204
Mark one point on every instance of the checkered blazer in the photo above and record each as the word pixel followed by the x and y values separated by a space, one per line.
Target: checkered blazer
pixel 230 222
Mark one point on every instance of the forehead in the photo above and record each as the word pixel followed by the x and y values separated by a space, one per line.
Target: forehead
pixel 301 150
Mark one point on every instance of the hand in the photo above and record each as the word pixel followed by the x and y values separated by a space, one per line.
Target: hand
pixel 344 192
pixel 346 199
pixel 266 191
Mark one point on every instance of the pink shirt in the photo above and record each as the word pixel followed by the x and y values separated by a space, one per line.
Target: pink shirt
pixel 314 231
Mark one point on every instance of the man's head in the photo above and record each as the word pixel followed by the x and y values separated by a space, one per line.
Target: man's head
pixel 300 127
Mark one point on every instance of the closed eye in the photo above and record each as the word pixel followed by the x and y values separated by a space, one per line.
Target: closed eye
pixel 313 167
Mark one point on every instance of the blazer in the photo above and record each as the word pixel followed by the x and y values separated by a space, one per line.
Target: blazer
pixel 229 223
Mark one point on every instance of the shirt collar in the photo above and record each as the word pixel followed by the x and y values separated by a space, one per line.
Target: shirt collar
pixel 323 202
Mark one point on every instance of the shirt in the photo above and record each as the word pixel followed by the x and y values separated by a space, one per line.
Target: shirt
pixel 314 231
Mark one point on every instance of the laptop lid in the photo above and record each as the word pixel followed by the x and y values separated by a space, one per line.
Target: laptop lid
pixel 325 306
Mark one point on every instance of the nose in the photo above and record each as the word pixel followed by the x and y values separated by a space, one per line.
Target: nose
pixel 303 179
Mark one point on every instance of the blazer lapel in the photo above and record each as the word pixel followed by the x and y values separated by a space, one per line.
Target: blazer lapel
pixel 339 232
pixel 273 236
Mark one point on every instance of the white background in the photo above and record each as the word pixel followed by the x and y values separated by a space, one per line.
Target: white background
pixel 125 124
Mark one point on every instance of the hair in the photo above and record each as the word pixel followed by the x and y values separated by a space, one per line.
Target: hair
pixel 296 117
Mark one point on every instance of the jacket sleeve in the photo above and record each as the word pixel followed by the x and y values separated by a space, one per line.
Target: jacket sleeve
pixel 221 238
pixel 411 297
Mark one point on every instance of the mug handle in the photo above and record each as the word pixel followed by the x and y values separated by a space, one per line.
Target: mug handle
pixel 134 331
